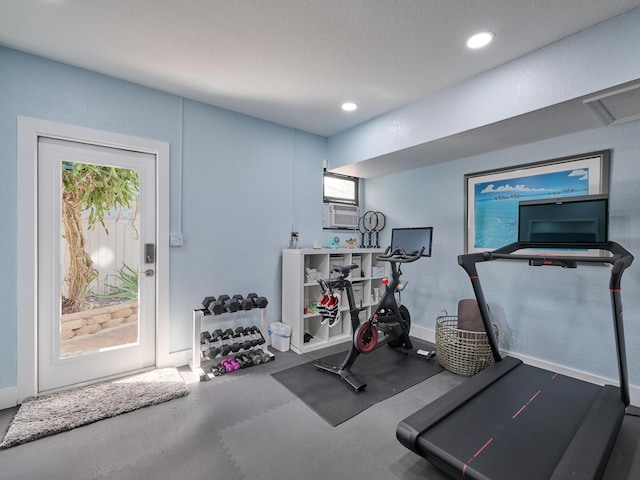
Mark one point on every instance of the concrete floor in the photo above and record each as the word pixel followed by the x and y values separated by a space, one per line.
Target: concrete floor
pixel 111 337
pixel 245 425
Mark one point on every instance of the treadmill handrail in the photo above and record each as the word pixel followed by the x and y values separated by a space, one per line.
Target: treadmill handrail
pixel 620 259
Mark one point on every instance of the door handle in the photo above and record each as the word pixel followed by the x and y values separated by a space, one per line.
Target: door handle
pixel 149 272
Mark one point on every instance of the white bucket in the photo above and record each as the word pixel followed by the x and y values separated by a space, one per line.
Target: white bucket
pixel 280 334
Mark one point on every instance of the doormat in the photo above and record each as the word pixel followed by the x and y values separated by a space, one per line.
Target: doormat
pixel 49 414
pixel 385 371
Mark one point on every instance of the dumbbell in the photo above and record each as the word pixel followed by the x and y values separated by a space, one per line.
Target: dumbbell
pixel 245 336
pixel 207 301
pixel 228 303
pixel 231 364
pixel 205 338
pixel 248 339
pixel 217 334
pixel 255 357
pixel 248 359
pixel 232 338
pixel 243 303
pixel 223 339
pixel 259 338
pixel 212 345
pixel 238 359
pixel 226 365
pixel 255 335
pixel 230 341
pixel 214 306
pixel 266 357
pixel 225 349
pixel 243 360
pixel 218 369
pixel 228 336
pixel 213 351
pixel 258 302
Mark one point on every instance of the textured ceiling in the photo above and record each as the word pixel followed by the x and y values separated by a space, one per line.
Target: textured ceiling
pixel 293 62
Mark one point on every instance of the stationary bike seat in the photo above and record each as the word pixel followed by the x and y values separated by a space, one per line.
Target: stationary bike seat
pixel 344 270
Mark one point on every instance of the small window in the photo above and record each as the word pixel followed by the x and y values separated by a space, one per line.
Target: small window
pixel 340 189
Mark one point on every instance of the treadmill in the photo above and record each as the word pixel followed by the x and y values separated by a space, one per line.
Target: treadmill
pixel 515 421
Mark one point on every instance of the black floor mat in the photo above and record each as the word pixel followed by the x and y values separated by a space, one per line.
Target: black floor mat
pixel 385 371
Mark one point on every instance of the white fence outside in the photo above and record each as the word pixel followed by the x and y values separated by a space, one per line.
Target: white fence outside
pixel 109 252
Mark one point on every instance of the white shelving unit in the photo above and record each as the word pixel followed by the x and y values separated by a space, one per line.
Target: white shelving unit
pixel 299 292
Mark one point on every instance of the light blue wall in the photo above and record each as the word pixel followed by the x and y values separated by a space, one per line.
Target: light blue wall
pixel 562 316
pixel 245 184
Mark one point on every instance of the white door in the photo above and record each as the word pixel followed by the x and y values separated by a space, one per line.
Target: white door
pixel 96 310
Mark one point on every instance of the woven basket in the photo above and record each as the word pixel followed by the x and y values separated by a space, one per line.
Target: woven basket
pixel 462 351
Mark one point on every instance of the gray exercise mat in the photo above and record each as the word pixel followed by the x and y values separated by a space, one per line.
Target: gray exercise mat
pixel 385 371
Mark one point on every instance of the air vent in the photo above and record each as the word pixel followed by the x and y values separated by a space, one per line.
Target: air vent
pixel 616 106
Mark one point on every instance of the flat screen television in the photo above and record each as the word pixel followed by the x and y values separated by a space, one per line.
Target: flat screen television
pixel 411 240
pixel 566 220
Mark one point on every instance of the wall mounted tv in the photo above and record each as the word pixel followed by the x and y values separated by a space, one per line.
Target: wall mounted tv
pixel 411 240
pixel 566 220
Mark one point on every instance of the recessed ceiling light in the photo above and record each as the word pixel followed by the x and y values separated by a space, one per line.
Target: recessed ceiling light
pixel 349 106
pixel 480 40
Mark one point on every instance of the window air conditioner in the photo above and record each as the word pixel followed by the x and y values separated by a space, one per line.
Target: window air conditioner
pixel 336 215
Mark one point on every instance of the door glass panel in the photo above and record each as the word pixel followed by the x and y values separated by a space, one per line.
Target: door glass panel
pixel 99 258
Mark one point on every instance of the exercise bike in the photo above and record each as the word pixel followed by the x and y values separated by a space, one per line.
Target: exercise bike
pixel 389 323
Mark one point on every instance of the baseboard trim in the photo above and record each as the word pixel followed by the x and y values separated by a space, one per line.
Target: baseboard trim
pixel 8 397
pixel 180 358
pixel 429 335
pixel 423 333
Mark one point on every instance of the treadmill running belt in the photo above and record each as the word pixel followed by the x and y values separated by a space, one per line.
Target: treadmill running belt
pixel 492 436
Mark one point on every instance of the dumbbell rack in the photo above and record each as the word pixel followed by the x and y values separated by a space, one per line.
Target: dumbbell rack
pixel 197 363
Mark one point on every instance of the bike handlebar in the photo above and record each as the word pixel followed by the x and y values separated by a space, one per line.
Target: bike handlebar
pixel 398 255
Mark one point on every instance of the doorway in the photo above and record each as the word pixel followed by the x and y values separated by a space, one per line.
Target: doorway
pixel 136 276
pixel 96 262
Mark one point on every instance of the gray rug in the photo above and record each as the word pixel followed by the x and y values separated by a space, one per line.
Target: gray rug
pixel 46 415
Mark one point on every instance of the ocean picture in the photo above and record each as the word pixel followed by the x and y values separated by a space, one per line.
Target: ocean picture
pixel 496 202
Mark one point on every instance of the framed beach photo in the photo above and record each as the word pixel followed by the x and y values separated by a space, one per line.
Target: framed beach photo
pixel 492 197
